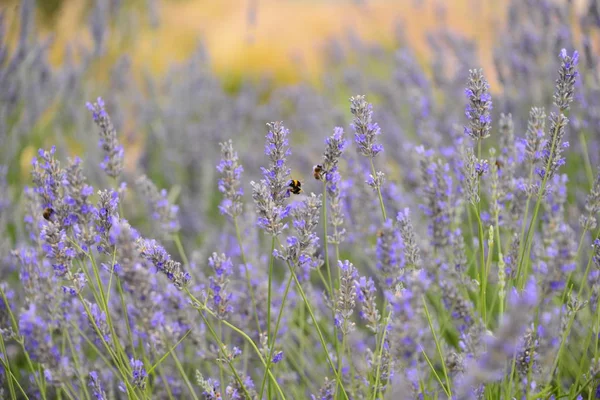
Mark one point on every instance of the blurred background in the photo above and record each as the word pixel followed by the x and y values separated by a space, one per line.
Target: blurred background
pixel 284 39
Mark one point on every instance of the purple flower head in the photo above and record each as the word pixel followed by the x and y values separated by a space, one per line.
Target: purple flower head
pixel 154 252
pixel 390 255
pixel 138 373
pixel 277 357
pixel 478 109
pixel 230 182
pixel 565 83
pixel 114 154
pixel 365 130
pixel 277 149
pixel 219 296
pixel 96 386
pixel 160 207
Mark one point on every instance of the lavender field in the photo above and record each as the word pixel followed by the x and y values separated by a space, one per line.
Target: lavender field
pixel 409 228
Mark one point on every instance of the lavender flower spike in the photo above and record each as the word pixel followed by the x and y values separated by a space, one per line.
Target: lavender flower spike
pixel 154 252
pixel 230 182
pixel 479 106
pixel 365 129
pixel 162 210
pixel 565 84
pixel 114 154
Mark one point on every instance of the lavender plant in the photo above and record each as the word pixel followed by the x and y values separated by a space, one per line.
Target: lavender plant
pixel 484 284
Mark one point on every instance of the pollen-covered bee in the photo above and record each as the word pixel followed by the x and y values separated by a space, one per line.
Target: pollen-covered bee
pixel 317 171
pixel 48 213
pixel 295 186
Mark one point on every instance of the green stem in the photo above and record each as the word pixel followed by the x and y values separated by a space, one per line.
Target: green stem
pixel 316 324
pixel 201 307
pixel 482 272
pixel 248 280
pixel 272 346
pixel 328 268
pixel 527 245
pixel 184 375
pixel 12 377
pixel 381 205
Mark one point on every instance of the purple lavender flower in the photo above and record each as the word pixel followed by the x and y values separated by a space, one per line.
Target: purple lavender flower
pixel 365 130
pixel 154 252
pixel 269 194
pixel 300 249
pixel 565 83
pixel 47 177
pixel 277 149
pixel 99 325
pixel 479 106
pixel 114 154
pixel 552 152
pixel 277 357
pixel 346 297
pixel 138 373
pixel 96 386
pixel 326 392
pixel 106 215
pixel 390 255
pixel 270 215
pixel 335 145
pixel 366 296
pixel 230 181
pixel 592 206
pixel 412 254
pixel 535 132
pixel 502 345
pixel 219 296
pixel 160 207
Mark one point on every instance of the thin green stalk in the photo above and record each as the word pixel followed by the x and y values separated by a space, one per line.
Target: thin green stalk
pixel 328 268
pixel 434 373
pixel 272 345
pixel 586 159
pixel 527 244
pixel 201 307
pixel 67 338
pixel 122 367
pixel 269 288
pixel 222 348
pixel 326 241
pixel 96 349
pixel 269 291
pixel 438 347
pixel 220 333
pixel 156 364
pixel 6 364
pixel 183 374
pixel 118 349
pixel 125 315
pixel 15 327
pixel 381 344
pixel 316 324
pixel 381 205
pixel 482 273
pixel 248 281
pixel 180 249
pixel 379 353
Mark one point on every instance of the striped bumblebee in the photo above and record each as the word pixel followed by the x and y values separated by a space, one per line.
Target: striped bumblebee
pixel 295 186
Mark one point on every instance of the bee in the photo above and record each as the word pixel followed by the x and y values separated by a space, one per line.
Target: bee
pixel 317 171
pixel 48 213
pixel 499 164
pixel 295 186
